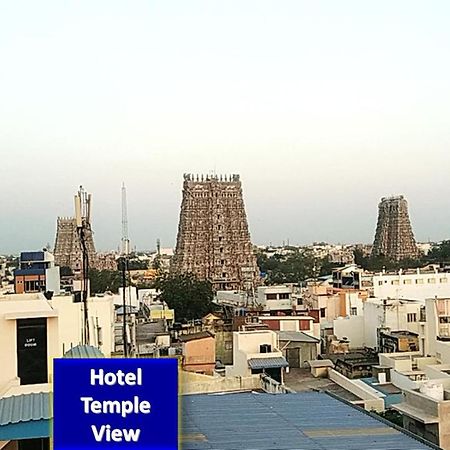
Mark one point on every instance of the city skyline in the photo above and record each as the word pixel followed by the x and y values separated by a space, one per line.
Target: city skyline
pixel 322 108
pixel 277 241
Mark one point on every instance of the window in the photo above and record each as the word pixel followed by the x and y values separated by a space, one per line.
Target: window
pixel 271 296
pixel 419 281
pixel 432 280
pixel 394 282
pixel 407 281
pixel 353 311
pixel 411 317
pixel 284 296
pixel 322 312
pixel 380 283
pixel 442 280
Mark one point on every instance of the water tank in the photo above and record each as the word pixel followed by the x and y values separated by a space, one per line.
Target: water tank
pixel 433 390
pixel 382 378
pixel 265 348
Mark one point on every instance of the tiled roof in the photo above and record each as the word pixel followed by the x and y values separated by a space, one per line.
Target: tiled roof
pixel 24 408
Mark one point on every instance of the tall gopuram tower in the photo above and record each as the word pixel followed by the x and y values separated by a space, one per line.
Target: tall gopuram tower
pixel 394 238
pixel 213 239
pixel 68 250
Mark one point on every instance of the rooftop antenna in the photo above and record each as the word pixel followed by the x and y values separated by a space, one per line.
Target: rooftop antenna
pixel 82 218
pixel 125 238
pixel 124 266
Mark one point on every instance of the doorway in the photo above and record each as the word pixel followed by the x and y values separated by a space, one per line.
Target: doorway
pixel 32 361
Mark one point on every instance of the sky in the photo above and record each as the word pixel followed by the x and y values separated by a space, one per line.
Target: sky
pixel 323 107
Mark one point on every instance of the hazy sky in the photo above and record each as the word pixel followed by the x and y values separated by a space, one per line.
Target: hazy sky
pixel 322 107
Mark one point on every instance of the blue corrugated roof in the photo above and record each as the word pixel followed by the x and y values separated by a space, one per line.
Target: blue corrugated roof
pixel 306 420
pixel 24 408
pixel 84 351
pixel 267 363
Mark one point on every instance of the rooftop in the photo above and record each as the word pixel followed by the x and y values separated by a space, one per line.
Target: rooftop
pixel 296 336
pixel 195 336
pixel 307 420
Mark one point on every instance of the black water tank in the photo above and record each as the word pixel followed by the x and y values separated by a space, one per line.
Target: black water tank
pixel 265 348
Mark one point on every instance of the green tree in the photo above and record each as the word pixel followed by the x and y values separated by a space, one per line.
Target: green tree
pixel 189 297
pixel 440 253
pixel 294 267
pixel 104 280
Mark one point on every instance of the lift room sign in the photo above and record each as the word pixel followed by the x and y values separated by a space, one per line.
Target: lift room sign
pixel 115 403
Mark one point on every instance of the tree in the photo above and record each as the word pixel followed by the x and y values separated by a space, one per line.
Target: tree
pixel 440 253
pixel 294 267
pixel 65 271
pixel 189 297
pixel 104 280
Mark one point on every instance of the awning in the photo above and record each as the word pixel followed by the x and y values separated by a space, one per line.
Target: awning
pixel 268 363
pixel 25 416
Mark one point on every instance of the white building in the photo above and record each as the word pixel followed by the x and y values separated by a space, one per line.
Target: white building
pixel 362 328
pixel 47 329
pixel 34 331
pixel 256 352
pixel 438 329
pixel 276 298
pixel 418 284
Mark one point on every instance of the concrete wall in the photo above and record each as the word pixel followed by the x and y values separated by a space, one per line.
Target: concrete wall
pixel 352 328
pixel 372 399
pixel 224 347
pixel 199 355
pixel 393 316
pixel 422 362
pixel 434 372
pixel 101 322
pixel 442 351
pixel 444 425
pixel 403 382
pixel 192 383
pixel 52 280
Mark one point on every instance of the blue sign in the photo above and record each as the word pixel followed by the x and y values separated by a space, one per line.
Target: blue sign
pixel 115 403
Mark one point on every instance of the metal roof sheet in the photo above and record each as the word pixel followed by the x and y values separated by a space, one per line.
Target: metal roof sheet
pixel 195 336
pixel 306 420
pixel 84 351
pixel 297 336
pixel 24 408
pixel 267 363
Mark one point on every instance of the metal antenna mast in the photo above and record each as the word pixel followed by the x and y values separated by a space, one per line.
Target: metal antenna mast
pixel 83 220
pixel 125 238
pixel 124 266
